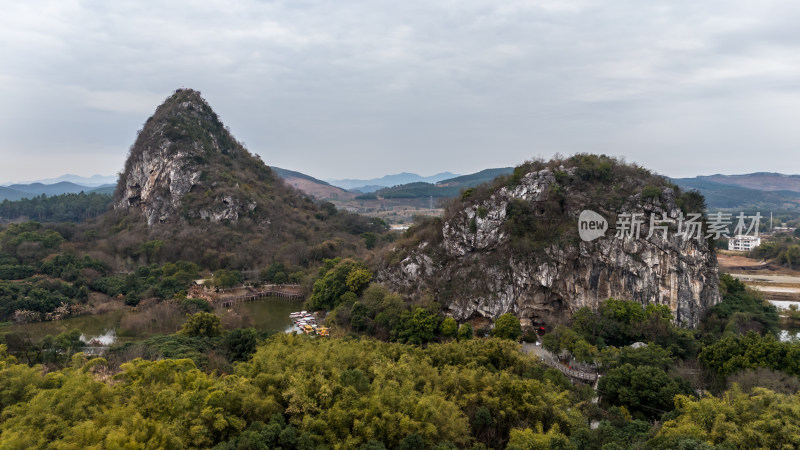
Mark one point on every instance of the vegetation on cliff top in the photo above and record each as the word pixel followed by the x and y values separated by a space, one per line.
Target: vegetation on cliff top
pixel 583 181
pixel 484 242
pixel 276 223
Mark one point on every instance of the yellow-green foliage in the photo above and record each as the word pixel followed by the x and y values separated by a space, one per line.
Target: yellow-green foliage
pixel 507 327
pixel 298 392
pixel 162 404
pixel 337 277
pixel 429 391
pixel 202 324
pixel 538 440
pixel 342 393
pixel 761 419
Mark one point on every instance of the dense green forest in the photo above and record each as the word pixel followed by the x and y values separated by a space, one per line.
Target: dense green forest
pixel 396 373
pixel 357 392
pixel 57 208
pixel 404 376
pixel 439 385
pixel 39 282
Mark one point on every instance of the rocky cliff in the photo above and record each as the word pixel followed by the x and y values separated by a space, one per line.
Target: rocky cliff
pixel 515 247
pixel 196 192
pixel 184 148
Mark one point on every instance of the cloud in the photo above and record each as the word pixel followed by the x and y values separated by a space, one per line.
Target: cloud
pixel 120 101
pixel 353 88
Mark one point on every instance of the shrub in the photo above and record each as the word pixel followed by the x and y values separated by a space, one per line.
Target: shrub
pixel 202 324
pixel 507 327
pixel 465 331
pixel 651 193
pixel 449 328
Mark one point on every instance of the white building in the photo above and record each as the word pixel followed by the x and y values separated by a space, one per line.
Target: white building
pixel 743 243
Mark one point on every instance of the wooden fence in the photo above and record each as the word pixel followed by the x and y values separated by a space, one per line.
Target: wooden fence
pixel 253 296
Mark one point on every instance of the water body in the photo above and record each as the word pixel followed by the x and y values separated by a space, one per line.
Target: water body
pixel 270 313
pixel 789 335
pixel 89 325
pixel 783 304
pixel 263 314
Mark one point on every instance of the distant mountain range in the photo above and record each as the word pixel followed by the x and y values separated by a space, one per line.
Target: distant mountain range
pixel 445 188
pixel 20 191
pixel 374 184
pixel 93 181
pixel 762 181
pixel 761 190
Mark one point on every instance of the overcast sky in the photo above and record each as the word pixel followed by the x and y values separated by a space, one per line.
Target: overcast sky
pixel 358 89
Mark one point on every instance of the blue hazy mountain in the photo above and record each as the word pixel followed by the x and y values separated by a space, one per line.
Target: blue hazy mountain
pixel 374 184
pixel 750 191
pixel 20 191
pixel 449 187
pixel 92 181
pixel 11 194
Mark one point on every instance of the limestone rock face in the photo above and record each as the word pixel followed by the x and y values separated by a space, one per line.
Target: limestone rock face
pixel 178 145
pixel 156 182
pixel 210 201
pixel 474 270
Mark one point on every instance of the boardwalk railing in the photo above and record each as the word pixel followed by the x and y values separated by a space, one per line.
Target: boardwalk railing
pixel 573 373
pixel 547 358
pixel 252 296
pixel 272 286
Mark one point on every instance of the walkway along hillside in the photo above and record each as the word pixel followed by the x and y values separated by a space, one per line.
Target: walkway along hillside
pixel 548 359
pixel 229 297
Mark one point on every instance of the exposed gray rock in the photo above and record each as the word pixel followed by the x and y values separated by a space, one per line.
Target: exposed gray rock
pixel 472 273
pixel 164 166
pixel 157 181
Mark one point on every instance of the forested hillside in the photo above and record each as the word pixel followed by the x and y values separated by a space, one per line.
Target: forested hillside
pixel 301 392
pixel 398 370
pixel 189 184
pixel 57 208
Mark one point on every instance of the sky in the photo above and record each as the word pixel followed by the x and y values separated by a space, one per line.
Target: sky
pixel 359 89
